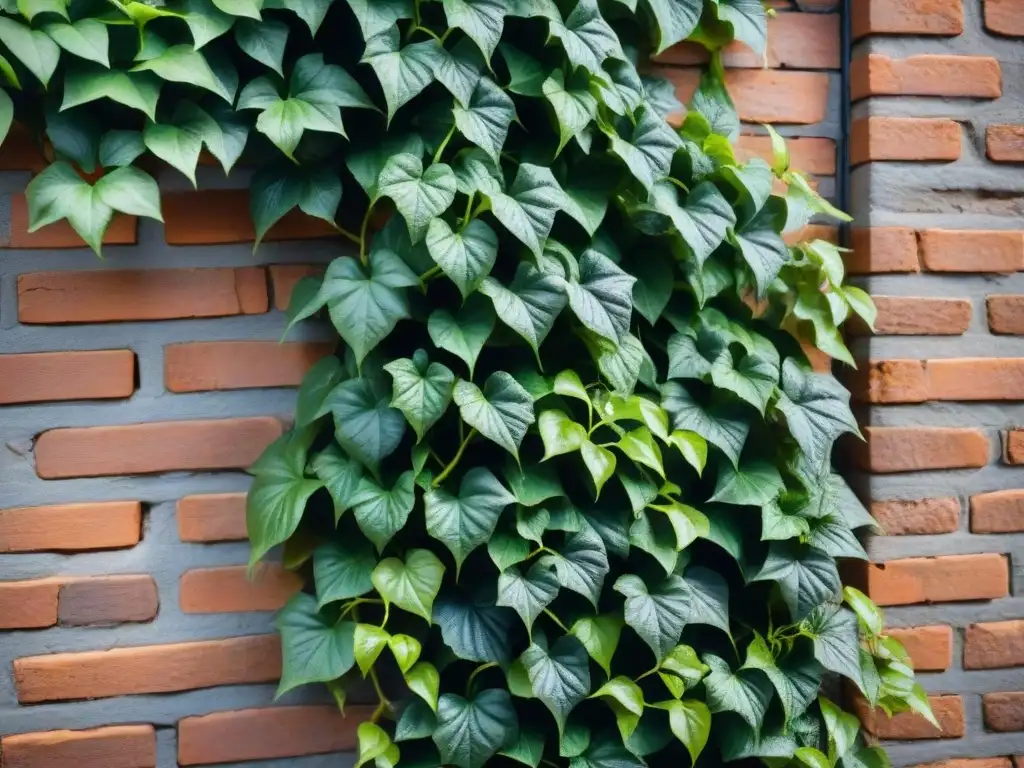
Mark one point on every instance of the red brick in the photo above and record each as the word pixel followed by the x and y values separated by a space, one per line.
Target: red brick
pixel 998 512
pixel 1014 453
pixel 808 155
pixel 230 589
pixel 907 17
pixel 1005 314
pixel 28 604
pixel 212 517
pixel 948 710
pixel 763 95
pixel 1005 143
pixel 926 75
pixel 981 762
pixel 167 446
pixel 930 648
pixel 946 579
pixel 977 378
pixel 43 376
pixel 214 365
pixel 964 251
pixel 71 527
pixel 1004 711
pixel 122 230
pixel 914 449
pixel 104 296
pixel 148 669
pixel 215 216
pixel 283 278
pixel 264 734
pixel 882 249
pixel 912 139
pixel 20 151
pixel 892 381
pixel 812 232
pixel 995 645
pixel 107 600
pixel 921 316
pixel 116 746
pixel 920 517
pixel 1005 17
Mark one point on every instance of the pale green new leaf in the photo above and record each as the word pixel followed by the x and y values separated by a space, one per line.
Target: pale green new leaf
pixel 411 584
pixel 368 641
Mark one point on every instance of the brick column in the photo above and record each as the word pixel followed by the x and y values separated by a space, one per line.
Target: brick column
pixel 938 91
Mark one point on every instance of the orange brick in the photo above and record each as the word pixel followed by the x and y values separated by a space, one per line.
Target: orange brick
pixel 763 95
pixel 907 17
pixel 892 381
pixel 103 296
pixel 915 449
pixel 926 75
pixel 117 746
pixel 946 579
pixel 812 232
pixel 976 378
pixel 921 316
pixel 915 139
pixel 983 762
pixel 231 590
pixel 263 734
pixel 882 249
pixel 215 216
pixel 1005 17
pixel 107 600
pixel 1005 143
pixel 20 151
pixel 944 250
pixel 212 517
pixel 998 512
pixel 795 41
pixel 213 365
pixel 28 604
pixel 283 278
pixel 122 230
pixel 808 155
pixel 124 671
pixel 930 648
pixel 1014 453
pixel 71 527
pixel 1005 314
pixel 1004 711
pixel 948 710
pixel 994 645
pixel 917 517
pixel 42 376
pixel 166 446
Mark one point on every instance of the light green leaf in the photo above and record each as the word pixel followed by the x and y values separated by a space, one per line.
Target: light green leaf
pixel 526 75
pixel 32 48
pixel 529 594
pixel 674 20
pixel 184 64
pixel 600 463
pixel 6 115
pixel 403 72
pixel 138 90
pixel 340 475
pixel 32 8
pixel 421 390
pixel 533 485
pixel 313 649
pixel 466 256
pixel 247 8
pixel 423 680
pixel 560 434
pixel 501 412
pixel 527 211
pixel 263 41
pixel 464 333
pixel 470 732
pixel 681 670
pixel 745 692
pixel 411 585
pixel 529 305
pixel 406 651
pixel 481 20
pixel 86 38
pixel 205 21
pixel 639 445
pixel 419 195
pixel 341 570
pixel 464 522
pixel 375 745
pixel 368 641
pixel 586 37
pixel 383 512
pixel 130 190
pixel 864 607
pixel 559 676
pixel 600 636
pixel 581 563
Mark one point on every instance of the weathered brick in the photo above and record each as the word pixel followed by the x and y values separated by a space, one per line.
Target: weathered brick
pixel 104 296
pixel 920 517
pixel 964 251
pixel 231 589
pixel 28 604
pixel 116 746
pixel 763 95
pixel 214 365
pixel 892 381
pixel 42 376
pixel 879 250
pixel 283 278
pixel 122 230
pixel 807 154
pixel 263 734
pixel 981 762
pixel 214 216
pixel 930 648
pixel 1005 143
pixel 911 139
pixel 998 512
pixel 921 316
pixel 107 600
pixel 946 579
pixel 994 645
pixel 167 446
pixel 976 378
pixel 907 17
pixel 1005 314
pixel 1013 450
pixel 124 671
pixel 71 527
pixel 212 517
pixel 926 75
pixel 20 152
pixel 1005 17
pixel 1004 711
pixel 948 710
pixel 914 449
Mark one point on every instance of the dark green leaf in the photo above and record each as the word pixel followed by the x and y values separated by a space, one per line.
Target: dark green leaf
pixel 470 732
pixel 527 594
pixel 501 412
pixel 559 676
pixel 464 522
pixel 464 333
pixel 530 305
pixel 341 570
pixel 746 692
pixel 383 512
pixel 581 563
pixel 474 627
pixel 313 649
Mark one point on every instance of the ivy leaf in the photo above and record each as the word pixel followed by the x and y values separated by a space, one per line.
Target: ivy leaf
pixel 464 522
pixel 681 670
pixel 559 676
pixel 529 305
pixel 420 195
pixel 86 38
pixel 581 563
pixel 466 256
pixel 606 751
pixel 120 148
pixel 486 118
pixel 527 211
pixel 526 75
pixel 460 69
pixel 464 333
pixel 312 12
pixel 313 649
pixel 340 475
pixel 367 164
pixel 796 679
pixel 833 536
pixel 205 21
pixel 639 445
pixel 754 378
pixel 703 219
pixel 817 410
pixel 417 721
pixel 675 20
pixel 474 627
pixel 654 534
pixel 745 692
pixel 649 149
pixel 806 577
pixel 602 299
pixel 341 570
pixel 421 390
pixel 381 512
pixel 481 20
pixel 690 721
pixel 501 412
pixel 836 638
pixel 574 106
pixel 369 640
pixel 586 37
pixel 653 287
pixel 533 485
pixel 411 585
pixel 529 594
pixel 35 50
pixel 761 246
pixel 406 651
pixel 725 428
pixel 657 616
pixel 184 64
pixel 138 90
pixel 246 8
pixel 528 748
pixel 376 16
pixel 755 484
pixel 600 636
pixel 560 434
pixel 748 20
pixel 366 425
pixel 600 462
pixel 470 732
pixel 403 72
pixel 263 41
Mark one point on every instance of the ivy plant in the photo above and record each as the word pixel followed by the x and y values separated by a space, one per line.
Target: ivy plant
pixel 564 493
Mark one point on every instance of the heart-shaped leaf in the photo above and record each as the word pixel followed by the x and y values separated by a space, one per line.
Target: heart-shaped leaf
pixel 411 584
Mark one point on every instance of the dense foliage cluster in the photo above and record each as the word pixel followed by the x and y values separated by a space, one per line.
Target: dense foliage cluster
pixel 565 492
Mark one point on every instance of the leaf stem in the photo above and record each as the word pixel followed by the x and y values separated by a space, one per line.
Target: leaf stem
pixel 432 33
pixel 454 462
pixel 385 703
pixel 435 457
pixel 362 232
pixel 469 209
pixel 550 614
pixel 440 149
pixel 477 671
pixel 648 673
pixel 351 606
pixel 434 271
pixel 350 235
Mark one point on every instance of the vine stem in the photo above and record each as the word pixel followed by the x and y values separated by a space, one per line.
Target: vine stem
pixel 648 673
pixel 385 703
pixel 550 614
pixel 349 235
pixel 454 462
pixel 469 209
pixel 477 671
pixel 434 271
pixel 357 602
pixel 362 233
pixel 440 149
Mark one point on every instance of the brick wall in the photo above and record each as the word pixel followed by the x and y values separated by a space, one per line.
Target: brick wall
pixel 937 140
pixel 134 390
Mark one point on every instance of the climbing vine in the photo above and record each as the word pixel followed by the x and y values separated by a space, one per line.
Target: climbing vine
pixel 564 494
